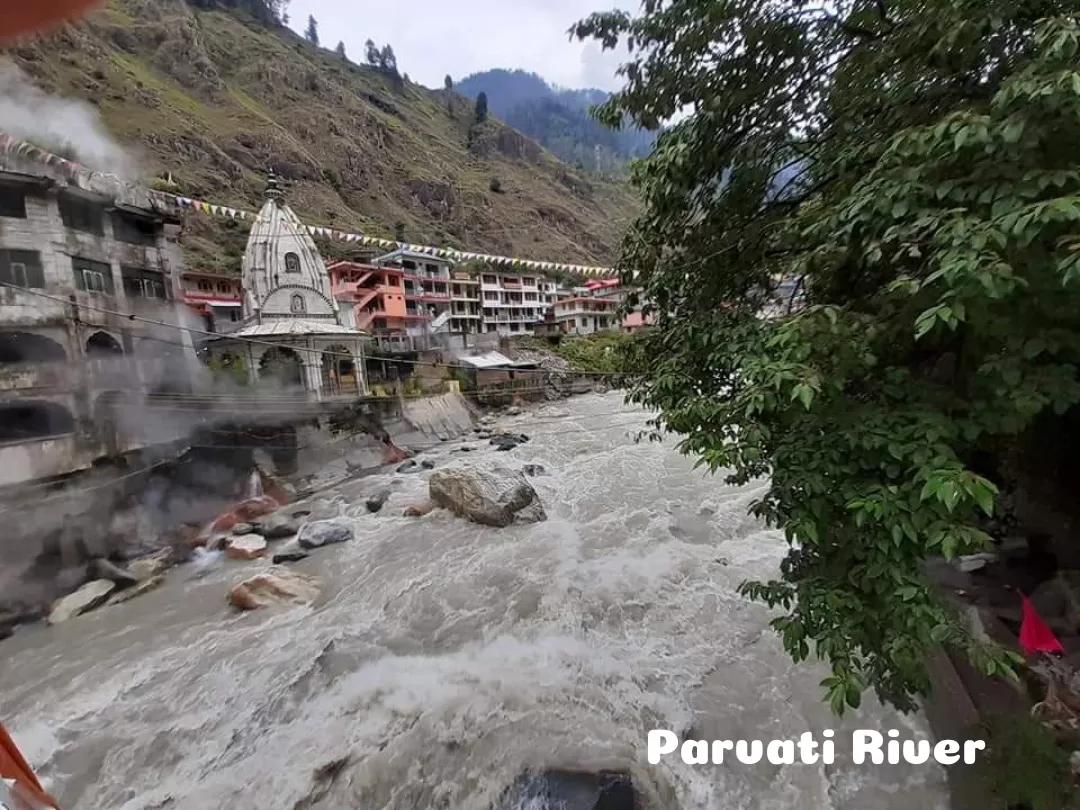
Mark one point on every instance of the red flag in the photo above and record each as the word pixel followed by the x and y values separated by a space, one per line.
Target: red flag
pixel 1035 636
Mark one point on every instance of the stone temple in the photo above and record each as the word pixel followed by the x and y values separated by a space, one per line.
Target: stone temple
pixel 293 333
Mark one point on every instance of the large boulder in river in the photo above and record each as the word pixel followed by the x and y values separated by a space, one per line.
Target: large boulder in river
pixel 320 533
pixel 571 790
pixel 89 596
pixel 276 526
pixel 274 586
pixel 489 494
pixel 245 546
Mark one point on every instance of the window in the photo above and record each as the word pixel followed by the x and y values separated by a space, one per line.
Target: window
pixel 234 314
pixel 223 287
pixel 490 280
pixel 82 215
pixel 205 286
pixel 292 264
pixel 22 268
pixel 134 230
pixel 296 304
pixel 12 202
pixel 91 276
pixel 491 295
pixel 142 283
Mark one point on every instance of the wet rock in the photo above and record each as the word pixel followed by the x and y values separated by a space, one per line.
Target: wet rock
pixel 321 533
pixel 275 586
pixel 91 595
pixel 427 464
pixel 571 790
pixel 101 568
pixel 465 448
pixel 408 467
pixel 1058 600
pixel 245 546
pixel 147 567
pixel 243 528
pixel 289 557
pixel 376 501
pixel 534 470
pixel 508 441
pixel 513 410
pixel 418 509
pixel 277 526
pixel 490 494
pixel 144 586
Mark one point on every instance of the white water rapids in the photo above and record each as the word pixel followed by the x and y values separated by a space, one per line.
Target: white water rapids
pixel 444 658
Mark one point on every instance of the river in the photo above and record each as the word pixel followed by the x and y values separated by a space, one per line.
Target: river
pixel 444 658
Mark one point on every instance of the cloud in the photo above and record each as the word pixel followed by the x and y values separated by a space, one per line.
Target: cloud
pixel 433 38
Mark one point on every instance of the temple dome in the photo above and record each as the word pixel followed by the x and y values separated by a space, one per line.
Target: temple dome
pixel 283 274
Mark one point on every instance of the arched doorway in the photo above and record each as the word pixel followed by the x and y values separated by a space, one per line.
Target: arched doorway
pixel 26 347
pixel 102 344
pixel 338 370
pixel 282 365
pixel 34 420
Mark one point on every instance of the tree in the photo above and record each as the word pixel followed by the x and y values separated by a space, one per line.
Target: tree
pixel 448 84
pixel 371 53
pixel 907 167
pixel 399 232
pixel 340 50
pixel 312 33
pixel 387 60
pixel 481 108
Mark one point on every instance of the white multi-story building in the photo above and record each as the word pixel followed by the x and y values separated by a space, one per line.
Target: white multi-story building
pixel 513 303
pixel 77 255
pixel 465 310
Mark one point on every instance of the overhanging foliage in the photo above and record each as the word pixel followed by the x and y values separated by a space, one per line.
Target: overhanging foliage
pixel 934 232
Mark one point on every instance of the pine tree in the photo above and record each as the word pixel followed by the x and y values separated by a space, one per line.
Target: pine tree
pixel 371 53
pixel 448 83
pixel 312 33
pixel 340 50
pixel 481 108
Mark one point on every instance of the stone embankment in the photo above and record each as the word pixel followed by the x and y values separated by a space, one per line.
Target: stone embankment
pixel 272 522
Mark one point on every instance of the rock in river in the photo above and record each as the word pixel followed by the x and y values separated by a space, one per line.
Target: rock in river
pixel 418 509
pixel 88 597
pixel 489 494
pixel 375 502
pixel 245 546
pixel 277 526
pixel 275 586
pixel 100 568
pixel 320 533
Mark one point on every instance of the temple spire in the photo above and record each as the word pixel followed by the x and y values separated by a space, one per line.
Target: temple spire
pixel 273 191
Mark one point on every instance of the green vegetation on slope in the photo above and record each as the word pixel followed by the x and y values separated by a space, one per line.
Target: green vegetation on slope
pixel 612 352
pixel 218 99
pixel 934 231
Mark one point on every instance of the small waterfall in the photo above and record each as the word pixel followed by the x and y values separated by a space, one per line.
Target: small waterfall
pixel 254 486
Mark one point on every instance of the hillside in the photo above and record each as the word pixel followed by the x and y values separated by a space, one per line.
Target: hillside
pixel 218 99
pixel 557 118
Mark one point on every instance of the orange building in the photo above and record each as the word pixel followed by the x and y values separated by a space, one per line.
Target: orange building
pixel 377 295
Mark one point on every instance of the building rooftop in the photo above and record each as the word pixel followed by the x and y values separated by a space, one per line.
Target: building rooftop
pixel 294 327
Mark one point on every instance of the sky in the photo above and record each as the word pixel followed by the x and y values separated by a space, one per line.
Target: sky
pixel 433 38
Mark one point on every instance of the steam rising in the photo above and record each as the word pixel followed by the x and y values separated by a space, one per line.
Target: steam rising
pixel 52 123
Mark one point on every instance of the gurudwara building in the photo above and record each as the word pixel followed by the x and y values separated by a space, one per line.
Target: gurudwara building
pixel 293 332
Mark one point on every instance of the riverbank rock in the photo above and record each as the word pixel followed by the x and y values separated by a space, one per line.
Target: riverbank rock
pixel 409 467
pixel 571 790
pixel 376 501
pixel 490 494
pixel 243 528
pixel 100 568
pixel 418 509
pixel 319 533
pixel 148 567
pixel 277 526
pixel 289 557
pixel 276 586
pixel 145 586
pixel 508 441
pixel 533 470
pixel 245 546
pixel 91 595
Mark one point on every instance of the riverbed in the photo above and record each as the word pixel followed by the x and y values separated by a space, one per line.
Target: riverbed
pixel 445 658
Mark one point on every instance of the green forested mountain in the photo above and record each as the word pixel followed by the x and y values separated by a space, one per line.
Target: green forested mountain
pixel 558 118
